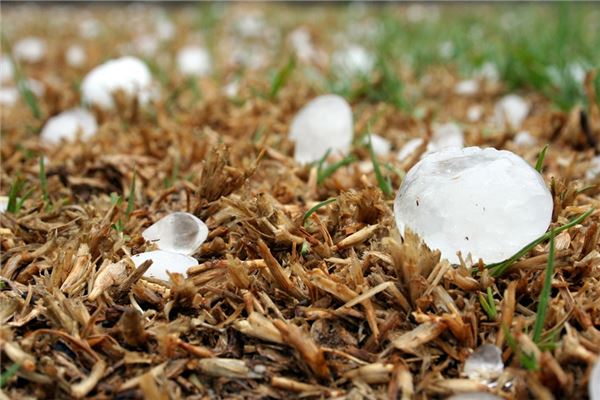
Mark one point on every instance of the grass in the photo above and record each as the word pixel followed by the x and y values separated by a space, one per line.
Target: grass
pixel 497 269
pixel 324 172
pixel 545 294
pixel 488 304
pixel 384 184
pixel 281 77
pixel 15 198
pixel 43 181
pixel 8 373
pixel 313 209
pixel 539 164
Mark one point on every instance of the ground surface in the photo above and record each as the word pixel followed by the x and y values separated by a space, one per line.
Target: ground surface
pixel 270 310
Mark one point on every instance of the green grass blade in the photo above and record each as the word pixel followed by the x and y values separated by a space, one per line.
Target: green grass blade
pixel 540 160
pixel 324 173
pixel 499 268
pixel 9 373
pixel 131 198
pixel 316 207
pixel 43 180
pixel 383 183
pixel 14 191
pixel 545 294
pixel 281 77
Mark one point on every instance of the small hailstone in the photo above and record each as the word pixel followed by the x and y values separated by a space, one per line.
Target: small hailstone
pixel 445 135
pixel 353 59
pixel 232 89
pixel 165 29
pixel 7 70
pixel 511 110
pixel 302 44
pixel 467 87
pixel 485 363
pixel 194 60
pixel 8 96
pixel 3 203
pixel 36 87
pixel 524 139
pixel 178 232
pixel 30 49
pixel 487 202
pixel 146 45
pixel 127 73
pixel 446 49
pixel 75 56
pixel 474 396
pixel 594 381
pixel 474 113
pixel 324 123
pixel 489 71
pixel 381 146
pixel 163 262
pixel 250 25
pixel 89 28
pixel 68 124
pixel 409 147
pixel 593 169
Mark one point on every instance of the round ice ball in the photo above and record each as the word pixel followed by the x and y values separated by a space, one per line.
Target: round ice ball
pixel 324 123
pixel 68 124
pixel 128 74
pixel 487 202
pixel 178 232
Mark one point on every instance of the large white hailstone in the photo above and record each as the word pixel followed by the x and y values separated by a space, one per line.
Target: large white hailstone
pixel 194 60
pixel 511 110
pixel 594 381
pixel 8 96
pixel 467 87
pixel 485 363
pixel 163 262
pixel 324 123
pixel 487 202
pixel 67 125
pixel 179 232
pixel 7 70
pixel 3 203
pixel 353 59
pixel 128 74
pixel 75 56
pixel 30 49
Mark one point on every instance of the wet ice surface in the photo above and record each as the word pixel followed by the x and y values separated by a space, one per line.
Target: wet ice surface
pixel 485 363
pixel 128 74
pixel 178 232
pixel 324 123
pixel 163 261
pixel 594 382
pixel 67 125
pixel 486 202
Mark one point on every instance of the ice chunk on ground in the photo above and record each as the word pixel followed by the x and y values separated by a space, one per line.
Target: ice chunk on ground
pixel 511 111
pixel 302 44
pixel 7 69
pixel 68 124
pixel 163 261
pixel 8 96
pixel 474 396
pixel 593 169
pixel 128 74
pixel 524 139
pixel 486 202
pixel 381 146
pixel 3 203
pixel 75 56
pixel 594 382
pixel 485 363
pixel 467 87
pixel 194 60
pixel 30 49
pixel 474 113
pixel 409 147
pixel 324 123
pixel 179 232
pixel 444 135
pixel 352 60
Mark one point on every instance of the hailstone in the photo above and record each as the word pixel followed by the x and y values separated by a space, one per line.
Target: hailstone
pixel 30 49
pixel 178 232
pixel 194 60
pixel 324 123
pixel 511 111
pixel 128 74
pixel 68 124
pixel 163 262
pixel 352 60
pixel 486 202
